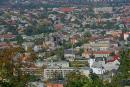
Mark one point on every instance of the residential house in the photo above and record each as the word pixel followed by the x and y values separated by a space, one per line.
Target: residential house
pixel 103 9
pixel 27 45
pixel 102 53
pixel 69 54
pixel 7 36
pixel 102 66
pixel 37 48
pixel 55 85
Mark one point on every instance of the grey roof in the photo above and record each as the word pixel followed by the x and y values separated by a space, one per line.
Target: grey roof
pixel 98 64
pixel 69 51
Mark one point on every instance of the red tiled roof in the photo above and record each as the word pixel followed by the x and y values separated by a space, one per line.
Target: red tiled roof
pixel 7 36
pixel 55 85
pixel 5 45
pixel 59 26
pixel 102 52
pixel 116 57
pixel 66 9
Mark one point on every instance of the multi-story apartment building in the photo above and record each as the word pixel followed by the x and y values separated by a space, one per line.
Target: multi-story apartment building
pixel 58 73
pixel 61 73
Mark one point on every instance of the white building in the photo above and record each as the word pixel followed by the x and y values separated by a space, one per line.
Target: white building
pixel 101 67
pixel 97 45
pixel 50 73
pixel 37 48
pixel 61 64
pixel 27 45
pixel 103 9
pixel 98 67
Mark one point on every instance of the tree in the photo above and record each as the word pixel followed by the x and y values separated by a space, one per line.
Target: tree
pixel 124 66
pixel 96 81
pixel 123 72
pixel 19 39
pixel 87 34
pixel 60 53
pixel 76 79
pixel 8 68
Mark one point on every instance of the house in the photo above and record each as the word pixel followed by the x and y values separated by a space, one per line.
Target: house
pixel 37 48
pixel 32 71
pixel 69 53
pixel 27 45
pixel 7 36
pixel 97 67
pixel 55 85
pixel 4 45
pixel 104 65
pixel 103 9
pixel 52 16
pixel 109 66
pixel 126 35
pixel 65 10
pixel 102 53
pixel 99 45
pixel 86 54
pixel 61 64
pixel 28 38
pixel 59 26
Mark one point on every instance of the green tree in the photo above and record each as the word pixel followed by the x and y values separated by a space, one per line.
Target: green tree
pixel 60 53
pixel 19 39
pixel 87 34
pixel 8 68
pixel 123 72
pixel 76 79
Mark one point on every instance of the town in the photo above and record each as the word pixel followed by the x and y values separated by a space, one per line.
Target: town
pixel 48 44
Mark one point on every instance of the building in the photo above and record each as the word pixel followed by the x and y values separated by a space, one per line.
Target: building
pixel 32 71
pixel 61 64
pixel 69 53
pixel 7 36
pixel 97 45
pixel 103 9
pixel 102 53
pixel 27 45
pixel 55 85
pixel 102 66
pixel 58 73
